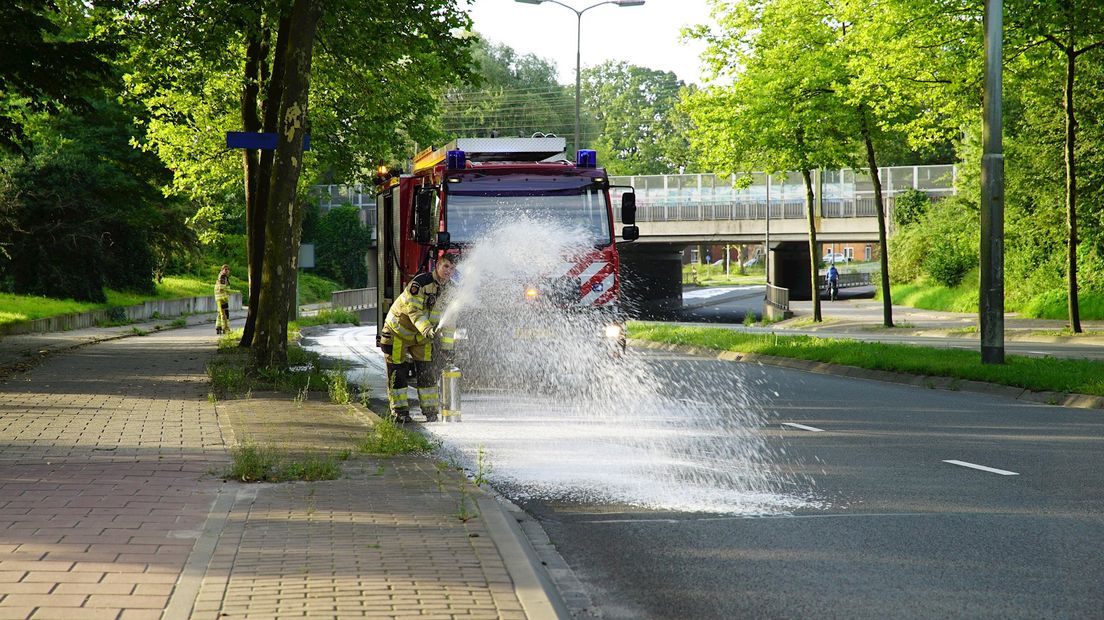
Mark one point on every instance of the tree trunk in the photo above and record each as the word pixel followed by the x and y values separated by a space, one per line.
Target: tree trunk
pixel 814 271
pixel 251 122
pixel 883 260
pixel 256 226
pixel 1071 194
pixel 270 340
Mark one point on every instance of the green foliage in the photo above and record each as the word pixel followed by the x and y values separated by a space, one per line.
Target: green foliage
pixel 515 95
pixel 942 244
pixel 87 210
pixel 51 64
pixel 1033 373
pixel 909 206
pixel 638 128
pixel 341 245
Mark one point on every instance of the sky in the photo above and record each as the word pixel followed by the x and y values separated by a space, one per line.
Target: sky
pixel 646 36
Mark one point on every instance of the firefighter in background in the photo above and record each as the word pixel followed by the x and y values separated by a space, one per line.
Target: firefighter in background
pixel 222 299
pixel 411 335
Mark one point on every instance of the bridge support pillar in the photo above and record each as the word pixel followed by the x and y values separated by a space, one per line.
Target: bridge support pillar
pixel 790 268
pixel 651 277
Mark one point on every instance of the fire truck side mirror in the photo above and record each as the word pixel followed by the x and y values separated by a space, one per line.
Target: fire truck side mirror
pixel 423 213
pixel 444 240
pixel 628 208
pixel 630 233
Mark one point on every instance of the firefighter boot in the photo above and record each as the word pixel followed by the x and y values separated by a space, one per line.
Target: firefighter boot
pixel 430 415
pixel 402 416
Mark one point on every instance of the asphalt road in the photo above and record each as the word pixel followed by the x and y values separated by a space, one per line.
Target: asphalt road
pixel 891 530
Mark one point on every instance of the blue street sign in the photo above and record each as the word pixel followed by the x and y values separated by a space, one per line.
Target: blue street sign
pixel 257 141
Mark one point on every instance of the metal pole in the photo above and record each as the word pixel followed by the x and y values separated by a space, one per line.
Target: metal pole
pixel 578 72
pixel 991 297
pixel 766 243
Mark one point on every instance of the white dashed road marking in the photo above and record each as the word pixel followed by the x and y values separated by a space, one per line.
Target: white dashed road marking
pixel 803 427
pixel 991 470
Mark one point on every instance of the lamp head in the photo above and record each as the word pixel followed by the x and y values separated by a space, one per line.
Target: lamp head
pixel 529 1
pixel 617 2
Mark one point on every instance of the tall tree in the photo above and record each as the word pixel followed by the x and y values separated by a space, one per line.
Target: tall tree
pixel 1072 28
pixel 634 107
pixel 48 63
pixel 781 111
pixel 513 95
pixel 205 67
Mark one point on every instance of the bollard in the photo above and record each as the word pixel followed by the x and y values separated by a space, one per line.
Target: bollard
pixel 450 394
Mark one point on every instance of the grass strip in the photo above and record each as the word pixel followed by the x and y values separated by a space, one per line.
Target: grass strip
pixel 387 439
pixel 253 463
pixel 1040 374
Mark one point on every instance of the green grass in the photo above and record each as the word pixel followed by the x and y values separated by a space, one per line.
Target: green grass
pixel 964 298
pixel 230 377
pixel 1037 374
pixel 19 308
pixel 328 317
pixel 314 289
pixel 252 463
pixel 387 439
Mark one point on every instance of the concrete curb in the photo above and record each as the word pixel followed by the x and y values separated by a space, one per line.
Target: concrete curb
pixel 532 583
pixel 1060 399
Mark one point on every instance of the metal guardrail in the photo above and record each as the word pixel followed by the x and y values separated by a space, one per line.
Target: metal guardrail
pixel 778 297
pixel 353 299
pixel 858 278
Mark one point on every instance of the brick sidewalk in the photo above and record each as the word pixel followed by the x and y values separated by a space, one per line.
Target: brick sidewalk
pixel 109 509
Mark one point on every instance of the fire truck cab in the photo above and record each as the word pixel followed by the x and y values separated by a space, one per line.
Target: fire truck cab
pixel 454 194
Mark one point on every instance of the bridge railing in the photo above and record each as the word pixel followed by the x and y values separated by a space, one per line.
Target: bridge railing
pixel 778 297
pixel 861 278
pixel 353 299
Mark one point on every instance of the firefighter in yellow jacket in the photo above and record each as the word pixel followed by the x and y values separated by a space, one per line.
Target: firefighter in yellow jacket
pixel 411 332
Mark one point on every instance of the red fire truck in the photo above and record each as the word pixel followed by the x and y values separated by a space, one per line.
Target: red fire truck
pixel 454 194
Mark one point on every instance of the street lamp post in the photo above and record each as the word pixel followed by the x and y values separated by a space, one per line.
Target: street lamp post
pixel 578 44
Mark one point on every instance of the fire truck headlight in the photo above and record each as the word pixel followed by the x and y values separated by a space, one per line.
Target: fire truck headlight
pixel 613 332
pixel 531 293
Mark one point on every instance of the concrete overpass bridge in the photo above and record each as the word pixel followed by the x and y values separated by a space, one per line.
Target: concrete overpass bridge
pixel 676 211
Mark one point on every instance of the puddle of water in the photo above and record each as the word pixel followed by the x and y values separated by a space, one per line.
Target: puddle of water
pixel 577 422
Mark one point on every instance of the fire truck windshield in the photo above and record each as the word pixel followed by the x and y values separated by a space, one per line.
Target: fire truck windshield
pixel 471 215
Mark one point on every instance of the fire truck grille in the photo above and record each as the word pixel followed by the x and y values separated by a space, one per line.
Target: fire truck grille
pixel 564 291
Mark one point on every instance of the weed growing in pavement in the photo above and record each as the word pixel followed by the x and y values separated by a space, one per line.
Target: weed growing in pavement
pixel 344 455
pixel 138 332
pixel 441 468
pixel 302 395
pixel 211 398
pixel 180 322
pixel 387 439
pixel 749 319
pixel 482 467
pixel 253 463
pixel 380 470
pixel 227 377
pixel 155 315
pixel 462 512
pixel 338 386
pixel 364 396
